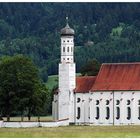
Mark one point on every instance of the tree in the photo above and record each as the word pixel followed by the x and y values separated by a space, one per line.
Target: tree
pixel 20 85
pixel 91 68
pixel 48 102
pixel 44 74
pixel 37 101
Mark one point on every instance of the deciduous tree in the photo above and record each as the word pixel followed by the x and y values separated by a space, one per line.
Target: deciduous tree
pixel 20 86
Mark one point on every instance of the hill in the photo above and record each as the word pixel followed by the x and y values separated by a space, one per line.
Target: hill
pixel 33 29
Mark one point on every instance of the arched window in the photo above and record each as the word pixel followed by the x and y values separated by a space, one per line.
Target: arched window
pixel 97 113
pixel 139 112
pixel 78 100
pixel 117 102
pixel 67 49
pixel 107 113
pixel 128 113
pixel 89 112
pixel 67 40
pixel 78 112
pixel 138 102
pixel 128 102
pixel 97 102
pixel 63 49
pixel 107 102
pixel 118 112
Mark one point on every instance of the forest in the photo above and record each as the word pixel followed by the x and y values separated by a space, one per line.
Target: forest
pixel 108 32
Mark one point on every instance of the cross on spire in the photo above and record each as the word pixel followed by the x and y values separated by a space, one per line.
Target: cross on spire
pixel 67 18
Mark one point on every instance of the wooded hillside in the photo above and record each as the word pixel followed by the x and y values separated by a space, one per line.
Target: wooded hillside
pixel 109 32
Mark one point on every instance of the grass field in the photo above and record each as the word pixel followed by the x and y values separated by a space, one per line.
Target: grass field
pixel 52 81
pixel 73 132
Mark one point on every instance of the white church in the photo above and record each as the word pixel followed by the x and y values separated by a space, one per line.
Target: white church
pixel 110 98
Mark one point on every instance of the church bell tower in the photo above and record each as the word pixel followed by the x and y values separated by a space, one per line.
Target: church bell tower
pixel 66 75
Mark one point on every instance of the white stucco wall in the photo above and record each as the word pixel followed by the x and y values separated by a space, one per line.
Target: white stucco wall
pixel 134 97
pixel 84 107
pixel 102 97
pixel 66 87
pixel 88 107
pixel 33 124
pixel 67 49
pixel 55 107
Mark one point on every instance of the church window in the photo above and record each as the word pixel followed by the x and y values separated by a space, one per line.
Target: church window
pixel 89 112
pixel 67 49
pixel 107 102
pixel 97 102
pixel 139 112
pixel 97 113
pixel 107 113
pixel 78 100
pixel 138 102
pixel 128 113
pixel 63 49
pixel 128 102
pixel 118 113
pixel 78 113
pixel 117 102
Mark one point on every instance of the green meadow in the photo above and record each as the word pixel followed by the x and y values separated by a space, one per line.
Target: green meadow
pixel 73 132
pixel 52 81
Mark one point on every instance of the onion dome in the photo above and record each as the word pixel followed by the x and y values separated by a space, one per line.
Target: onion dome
pixel 67 31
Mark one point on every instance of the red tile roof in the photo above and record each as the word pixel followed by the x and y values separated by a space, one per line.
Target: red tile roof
pixel 118 76
pixel 84 83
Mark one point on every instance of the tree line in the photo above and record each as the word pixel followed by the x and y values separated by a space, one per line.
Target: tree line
pixel 33 29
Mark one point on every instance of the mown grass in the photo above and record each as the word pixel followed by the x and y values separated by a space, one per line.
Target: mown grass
pixel 73 132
